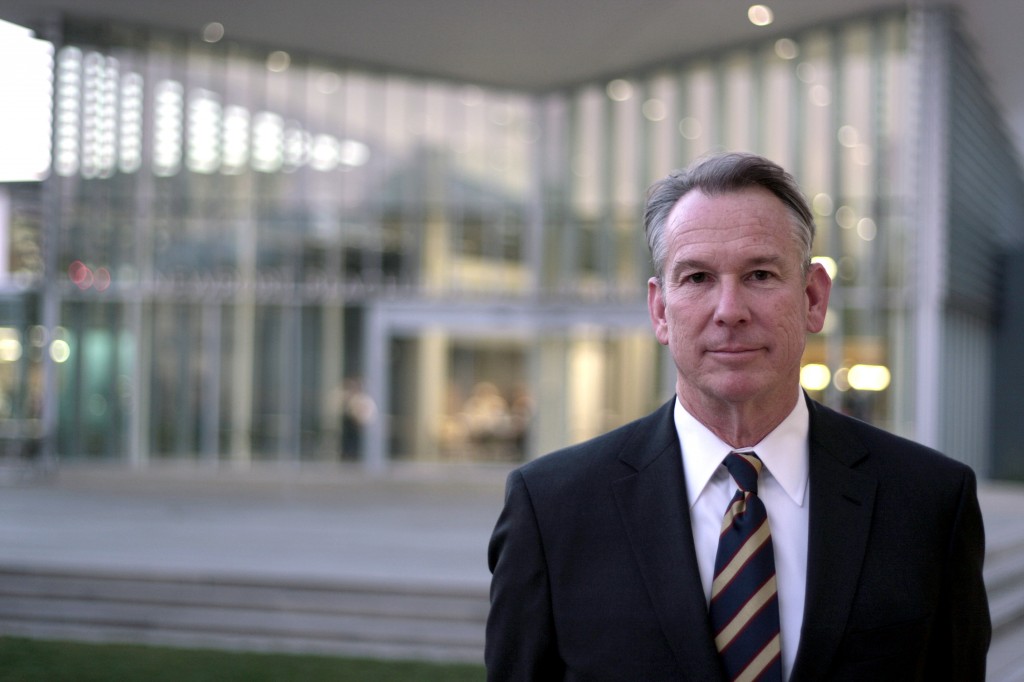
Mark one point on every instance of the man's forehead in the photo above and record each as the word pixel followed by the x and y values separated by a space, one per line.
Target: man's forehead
pixel 697 204
pixel 746 228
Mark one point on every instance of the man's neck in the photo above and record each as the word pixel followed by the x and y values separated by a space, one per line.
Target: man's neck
pixel 739 424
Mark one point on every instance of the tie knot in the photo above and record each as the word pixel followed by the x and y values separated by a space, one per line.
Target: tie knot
pixel 744 469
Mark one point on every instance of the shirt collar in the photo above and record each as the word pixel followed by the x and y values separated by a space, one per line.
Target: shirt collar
pixel 784 452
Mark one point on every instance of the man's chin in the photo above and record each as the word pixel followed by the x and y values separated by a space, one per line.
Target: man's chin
pixel 735 389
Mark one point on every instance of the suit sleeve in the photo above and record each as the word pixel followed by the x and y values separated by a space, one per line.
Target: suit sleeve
pixel 520 626
pixel 960 641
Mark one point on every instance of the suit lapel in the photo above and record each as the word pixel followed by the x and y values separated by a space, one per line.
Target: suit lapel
pixel 652 501
pixel 841 508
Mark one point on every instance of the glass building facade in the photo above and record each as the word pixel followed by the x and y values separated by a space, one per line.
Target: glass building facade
pixel 240 256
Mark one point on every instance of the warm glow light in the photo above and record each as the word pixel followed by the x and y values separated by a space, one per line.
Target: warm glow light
pixel 60 351
pixel 619 90
pixel 654 110
pixel 820 96
pixel 278 61
pixel 848 137
pixel 760 15
pixel 213 32
pixel 815 377
pixel 867 229
pixel 822 204
pixel 846 217
pixel 785 48
pixel 690 128
pixel 10 344
pixel 869 377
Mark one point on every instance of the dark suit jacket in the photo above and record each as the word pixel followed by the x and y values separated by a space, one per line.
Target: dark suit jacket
pixel 595 575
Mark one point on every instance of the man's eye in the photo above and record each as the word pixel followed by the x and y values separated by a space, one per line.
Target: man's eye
pixel 697 278
pixel 761 275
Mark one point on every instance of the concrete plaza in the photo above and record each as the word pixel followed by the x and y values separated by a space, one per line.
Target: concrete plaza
pixel 414 531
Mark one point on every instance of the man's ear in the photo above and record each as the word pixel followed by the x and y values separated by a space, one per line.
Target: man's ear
pixel 656 309
pixel 819 286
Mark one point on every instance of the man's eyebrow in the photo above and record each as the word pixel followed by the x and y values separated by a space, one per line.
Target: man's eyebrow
pixel 700 265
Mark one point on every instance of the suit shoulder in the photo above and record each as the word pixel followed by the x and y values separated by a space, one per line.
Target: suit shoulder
pixel 597 458
pixel 885 450
pixel 580 457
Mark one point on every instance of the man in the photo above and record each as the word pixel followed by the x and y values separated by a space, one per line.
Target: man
pixel 605 559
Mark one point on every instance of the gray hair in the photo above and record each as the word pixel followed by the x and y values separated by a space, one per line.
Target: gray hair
pixel 720 173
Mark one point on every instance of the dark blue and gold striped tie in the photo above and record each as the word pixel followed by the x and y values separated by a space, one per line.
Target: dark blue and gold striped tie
pixel 744 596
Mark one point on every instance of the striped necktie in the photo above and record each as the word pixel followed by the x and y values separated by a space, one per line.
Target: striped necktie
pixel 744 597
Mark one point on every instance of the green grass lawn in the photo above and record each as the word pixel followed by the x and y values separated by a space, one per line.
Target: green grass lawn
pixel 27 660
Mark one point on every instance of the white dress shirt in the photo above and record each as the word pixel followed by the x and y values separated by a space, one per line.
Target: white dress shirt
pixel 783 487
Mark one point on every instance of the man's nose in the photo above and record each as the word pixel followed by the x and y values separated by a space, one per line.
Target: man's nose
pixel 731 307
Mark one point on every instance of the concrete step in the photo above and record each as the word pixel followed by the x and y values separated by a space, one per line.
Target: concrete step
pixel 378 620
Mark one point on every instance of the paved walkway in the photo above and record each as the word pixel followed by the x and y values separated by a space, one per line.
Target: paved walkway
pixel 416 526
pixel 425 526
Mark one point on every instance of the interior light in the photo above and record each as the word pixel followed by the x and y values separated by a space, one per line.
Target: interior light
pixel 787 49
pixel 867 229
pixel 846 217
pixel 204 124
pixel 10 344
pixel 297 143
pixel 848 136
pixel 654 110
pixel 619 90
pixel 822 204
pixel 130 153
pixel 353 153
pixel 760 15
pixel 815 377
pixel 213 32
pixel 167 147
pixel 325 152
pixel 278 61
pixel 869 377
pixel 60 351
pixel 690 128
pixel 820 95
pixel 267 142
pixel 235 139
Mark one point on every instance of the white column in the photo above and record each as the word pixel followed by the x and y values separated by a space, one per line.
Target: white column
pixel 928 59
